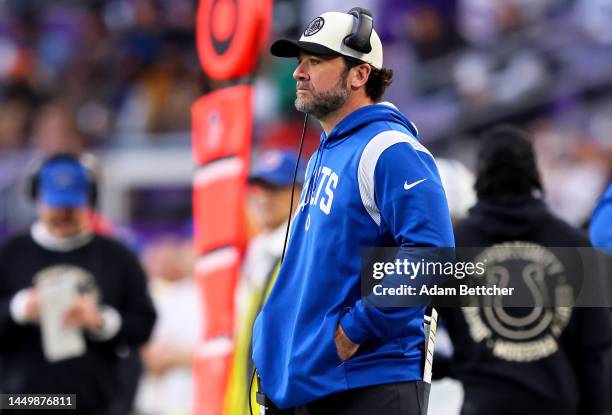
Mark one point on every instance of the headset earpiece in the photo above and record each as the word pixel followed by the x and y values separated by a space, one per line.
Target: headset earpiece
pixel 359 39
pixel 32 185
pixel 93 193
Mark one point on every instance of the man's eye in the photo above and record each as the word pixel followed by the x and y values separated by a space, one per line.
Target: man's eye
pixel 315 61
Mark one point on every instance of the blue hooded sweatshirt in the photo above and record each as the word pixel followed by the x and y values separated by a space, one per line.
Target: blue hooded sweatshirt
pixel 370 183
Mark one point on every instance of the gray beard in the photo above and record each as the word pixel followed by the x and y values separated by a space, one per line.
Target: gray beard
pixel 322 104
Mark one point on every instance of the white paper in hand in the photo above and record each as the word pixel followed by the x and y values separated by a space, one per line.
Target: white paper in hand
pixel 58 289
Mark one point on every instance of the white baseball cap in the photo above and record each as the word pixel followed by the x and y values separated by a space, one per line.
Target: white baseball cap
pixel 325 35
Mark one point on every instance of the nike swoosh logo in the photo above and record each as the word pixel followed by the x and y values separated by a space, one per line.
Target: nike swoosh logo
pixel 411 185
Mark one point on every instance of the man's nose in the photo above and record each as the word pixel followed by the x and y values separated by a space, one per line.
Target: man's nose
pixel 300 74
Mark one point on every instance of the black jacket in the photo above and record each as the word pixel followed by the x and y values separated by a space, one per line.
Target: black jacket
pixel 571 376
pixel 93 377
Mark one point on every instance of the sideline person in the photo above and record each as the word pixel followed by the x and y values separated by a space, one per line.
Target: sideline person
pixel 71 350
pixel 317 347
pixel 544 360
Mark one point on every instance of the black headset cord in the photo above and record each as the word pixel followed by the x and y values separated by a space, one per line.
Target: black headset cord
pixel 297 164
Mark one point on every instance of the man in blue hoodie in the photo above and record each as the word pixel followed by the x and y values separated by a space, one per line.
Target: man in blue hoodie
pixel 317 347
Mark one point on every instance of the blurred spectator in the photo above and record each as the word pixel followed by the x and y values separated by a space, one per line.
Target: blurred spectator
pixel 484 21
pixel 572 178
pixel 55 130
pixel 431 27
pixel 553 365
pixel 13 117
pixel 70 300
pixel 166 387
pixel 177 87
pixel 271 179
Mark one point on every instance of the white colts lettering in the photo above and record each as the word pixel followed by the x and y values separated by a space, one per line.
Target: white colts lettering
pixel 327 180
pixel 332 182
pixel 325 171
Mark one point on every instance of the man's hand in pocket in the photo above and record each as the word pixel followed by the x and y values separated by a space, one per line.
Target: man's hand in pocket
pixel 345 347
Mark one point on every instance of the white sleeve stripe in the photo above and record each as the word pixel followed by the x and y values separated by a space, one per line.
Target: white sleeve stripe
pixel 367 165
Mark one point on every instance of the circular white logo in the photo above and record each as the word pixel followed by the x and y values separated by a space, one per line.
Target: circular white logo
pixel 78 278
pixel 314 26
pixel 521 334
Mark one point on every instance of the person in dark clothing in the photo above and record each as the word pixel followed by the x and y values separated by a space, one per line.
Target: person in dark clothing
pixel 558 368
pixel 109 308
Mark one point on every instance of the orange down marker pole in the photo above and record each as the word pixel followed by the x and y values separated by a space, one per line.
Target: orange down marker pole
pixel 230 35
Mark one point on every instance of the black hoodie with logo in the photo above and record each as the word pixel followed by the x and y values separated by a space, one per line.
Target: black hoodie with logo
pixel 570 377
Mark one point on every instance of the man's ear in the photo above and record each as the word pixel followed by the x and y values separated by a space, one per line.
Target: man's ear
pixel 360 75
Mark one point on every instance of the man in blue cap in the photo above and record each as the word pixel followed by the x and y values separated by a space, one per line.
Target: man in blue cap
pixel 272 179
pixel 72 348
pixel 63 194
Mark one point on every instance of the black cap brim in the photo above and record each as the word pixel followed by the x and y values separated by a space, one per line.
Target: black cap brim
pixel 285 48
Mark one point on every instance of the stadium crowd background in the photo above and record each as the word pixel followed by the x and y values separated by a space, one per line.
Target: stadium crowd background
pixel 117 78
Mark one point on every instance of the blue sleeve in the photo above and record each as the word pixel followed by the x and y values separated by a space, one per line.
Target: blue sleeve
pixel 414 211
pixel 601 224
pixel 411 199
